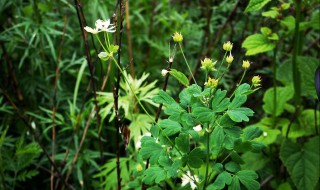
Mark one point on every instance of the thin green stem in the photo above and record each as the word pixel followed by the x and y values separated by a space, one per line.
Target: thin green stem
pixel 244 73
pixel 274 86
pixel 295 71
pixel 187 63
pixel 207 160
pixel 105 49
pixel 224 57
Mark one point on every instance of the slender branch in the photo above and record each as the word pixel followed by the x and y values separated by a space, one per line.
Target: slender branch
pixel 54 108
pixel 129 39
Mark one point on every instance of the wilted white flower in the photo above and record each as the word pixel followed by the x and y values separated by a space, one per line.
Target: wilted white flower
pixel 186 179
pixel 164 72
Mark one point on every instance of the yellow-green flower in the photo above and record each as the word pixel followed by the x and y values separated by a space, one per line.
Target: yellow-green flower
pixel 177 37
pixel 227 46
pixel 212 83
pixel 208 64
pixel 229 58
pixel 139 168
pixel 245 64
pixel 256 80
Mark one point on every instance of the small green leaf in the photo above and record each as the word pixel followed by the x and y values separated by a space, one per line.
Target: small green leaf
pixel 255 5
pixel 150 149
pixel 257 43
pixel 240 114
pixel 187 95
pixel 154 174
pixel 203 115
pixel 221 180
pixel 302 163
pixel 232 167
pixel 180 77
pixel 195 158
pixel 251 133
pixel 219 102
pixel 170 127
pixel 265 31
pixel 182 142
pixel 271 14
pixel 163 98
pixel 248 179
pixel 237 101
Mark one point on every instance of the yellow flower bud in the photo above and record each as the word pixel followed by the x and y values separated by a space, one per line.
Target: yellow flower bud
pixel 212 83
pixel 229 59
pixel 245 64
pixel 256 80
pixel 177 37
pixel 227 46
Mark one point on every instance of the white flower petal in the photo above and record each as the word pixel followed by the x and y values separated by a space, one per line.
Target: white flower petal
pixel 91 30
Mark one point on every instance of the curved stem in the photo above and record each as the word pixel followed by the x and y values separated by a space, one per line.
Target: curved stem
pixel 244 73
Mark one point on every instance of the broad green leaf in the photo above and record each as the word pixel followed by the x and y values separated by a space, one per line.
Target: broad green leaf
pixel 248 179
pixel 195 158
pixel 150 149
pixel 187 95
pixel 154 174
pixel 251 132
pixel 219 102
pixel 163 98
pixel 170 127
pixel 180 77
pixel 268 136
pixel 237 101
pixel 165 161
pixel 203 115
pixel 232 167
pixel 254 161
pixel 182 142
pixel 302 163
pixel 283 95
pixel 240 114
pixel 289 23
pixel 257 43
pixel 255 5
pixel 242 89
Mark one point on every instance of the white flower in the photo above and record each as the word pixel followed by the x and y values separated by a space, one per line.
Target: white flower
pixel 101 25
pixel 265 134
pixel 186 179
pixel 164 72
pixel 197 128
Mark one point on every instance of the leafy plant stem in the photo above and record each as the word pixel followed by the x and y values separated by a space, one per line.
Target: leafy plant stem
pixel 244 73
pixel 296 45
pixel 184 57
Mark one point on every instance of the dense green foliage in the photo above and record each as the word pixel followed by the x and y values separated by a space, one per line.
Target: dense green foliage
pixel 72 117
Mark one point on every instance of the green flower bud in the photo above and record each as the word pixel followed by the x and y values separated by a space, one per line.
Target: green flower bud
pixel 245 64
pixel 177 37
pixel 208 65
pixel 256 80
pixel 227 46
